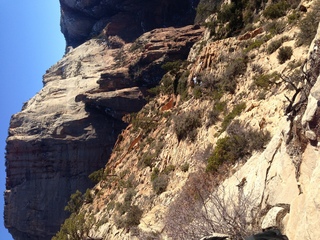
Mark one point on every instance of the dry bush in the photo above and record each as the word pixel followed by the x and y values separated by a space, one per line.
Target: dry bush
pixel 203 209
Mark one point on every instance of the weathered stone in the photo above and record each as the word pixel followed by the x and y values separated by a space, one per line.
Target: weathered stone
pixel 80 20
pixel 311 135
pixel 274 217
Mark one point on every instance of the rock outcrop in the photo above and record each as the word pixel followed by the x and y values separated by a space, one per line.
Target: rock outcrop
pixel 68 129
pixel 80 20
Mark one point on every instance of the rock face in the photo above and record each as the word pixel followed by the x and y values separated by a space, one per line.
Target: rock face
pixel 80 20
pixel 68 129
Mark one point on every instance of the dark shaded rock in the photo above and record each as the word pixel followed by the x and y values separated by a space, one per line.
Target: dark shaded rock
pixel 82 19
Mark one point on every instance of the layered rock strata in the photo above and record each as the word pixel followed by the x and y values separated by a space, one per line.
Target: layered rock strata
pixel 68 129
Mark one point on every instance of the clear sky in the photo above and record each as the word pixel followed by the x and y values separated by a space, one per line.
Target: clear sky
pixel 30 42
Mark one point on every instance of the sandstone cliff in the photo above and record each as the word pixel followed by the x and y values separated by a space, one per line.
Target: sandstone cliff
pixel 68 129
pixel 228 145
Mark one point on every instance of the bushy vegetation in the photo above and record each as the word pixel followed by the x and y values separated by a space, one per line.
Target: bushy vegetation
pixel 293 17
pixel 139 121
pixel 128 214
pixel 181 85
pixel 204 9
pixel 215 86
pixel 308 26
pixel 238 144
pixel 236 111
pixel 284 54
pixel 254 44
pixel 214 114
pixel 275 27
pixel 172 66
pixel 186 125
pixel 275 45
pixel 75 202
pixel 184 167
pixel 265 80
pixel 235 68
pixel 97 176
pixel 231 18
pixel 159 181
pixel 76 227
pixel 276 10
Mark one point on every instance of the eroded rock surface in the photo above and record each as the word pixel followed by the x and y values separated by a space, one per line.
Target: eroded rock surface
pixel 80 20
pixel 68 129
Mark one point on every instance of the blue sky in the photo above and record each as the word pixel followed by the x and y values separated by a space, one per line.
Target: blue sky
pixel 30 42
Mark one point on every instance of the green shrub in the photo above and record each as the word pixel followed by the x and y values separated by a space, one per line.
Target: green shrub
pixel 255 139
pixel 76 227
pixel 186 125
pixel 235 68
pixel 184 167
pixel 257 68
pixel 97 176
pixel 146 123
pixel 197 92
pixel 172 66
pixel 165 86
pixel 204 9
pixel 147 160
pixel 276 10
pixel 87 197
pixel 308 26
pixel 138 44
pixel 265 80
pixel 238 144
pixel 181 86
pixel 284 54
pixel 229 117
pixel 293 17
pixel 274 45
pixel 228 149
pixel 275 27
pixel 168 169
pixel 155 173
pixel 160 183
pixel 75 202
pixel 254 44
pixel 129 195
pixel 208 82
pixel 133 216
pixel 130 219
pixel 214 114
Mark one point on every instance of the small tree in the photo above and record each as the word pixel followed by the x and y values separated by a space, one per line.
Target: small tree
pixel 75 202
pixel 76 227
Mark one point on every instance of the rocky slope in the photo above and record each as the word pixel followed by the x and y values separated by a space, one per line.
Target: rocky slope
pixel 232 130
pixel 68 129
